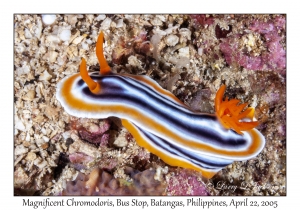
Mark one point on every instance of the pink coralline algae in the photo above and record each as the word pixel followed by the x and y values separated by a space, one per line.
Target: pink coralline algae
pixel 202 19
pixel 259 49
pixel 79 160
pixel 185 182
pixel 96 135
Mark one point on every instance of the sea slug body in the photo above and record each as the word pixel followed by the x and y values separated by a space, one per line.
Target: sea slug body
pixel 162 123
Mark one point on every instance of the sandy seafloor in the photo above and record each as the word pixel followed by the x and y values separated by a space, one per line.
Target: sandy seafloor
pixel 184 54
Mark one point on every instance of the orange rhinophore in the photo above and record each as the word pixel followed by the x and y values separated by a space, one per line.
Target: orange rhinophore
pixel 93 86
pixel 104 67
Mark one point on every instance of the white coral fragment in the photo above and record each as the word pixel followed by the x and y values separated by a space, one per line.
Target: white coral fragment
pixel 100 17
pixel 185 32
pixel 133 61
pixel 45 138
pixel 106 24
pixel 25 69
pixel 27 34
pixel 156 21
pixel 66 135
pixel 119 23
pixel 19 124
pixel 20 149
pixel 65 35
pixel 53 39
pixel 85 45
pixel 200 51
pixel 38 29
pixel 155 40
pixel 171 28
pixel 181 62
pixel 48 19
pixel 72 19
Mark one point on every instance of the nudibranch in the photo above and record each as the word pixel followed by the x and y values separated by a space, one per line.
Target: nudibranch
pixel 160 122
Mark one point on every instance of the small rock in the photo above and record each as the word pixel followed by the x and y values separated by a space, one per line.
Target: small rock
pixel 185 32
pixel 69 141
pixel 121 140
pixel 158 174
pixel 90 18
pixel 156 21
pixel 72 19
pixel 27 139
pixel 26 143
pixel 80 146
pixel 20 177
pixel 51 162
pixel 20 149
pixel 93 128
pixel 161 17
pixel 133 61
pixel 53 39
pixel 40 163
pixel 45 145
pixel 78 39
pixel 29 95
pixel 38 29
pixel 31 156
pixel 39 141
pixel 184 52
pixel 171 40
pixel 84 45
pixel 66 135
pixel 45 76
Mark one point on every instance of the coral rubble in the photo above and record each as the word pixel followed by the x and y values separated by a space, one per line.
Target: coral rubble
pixel 100 182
